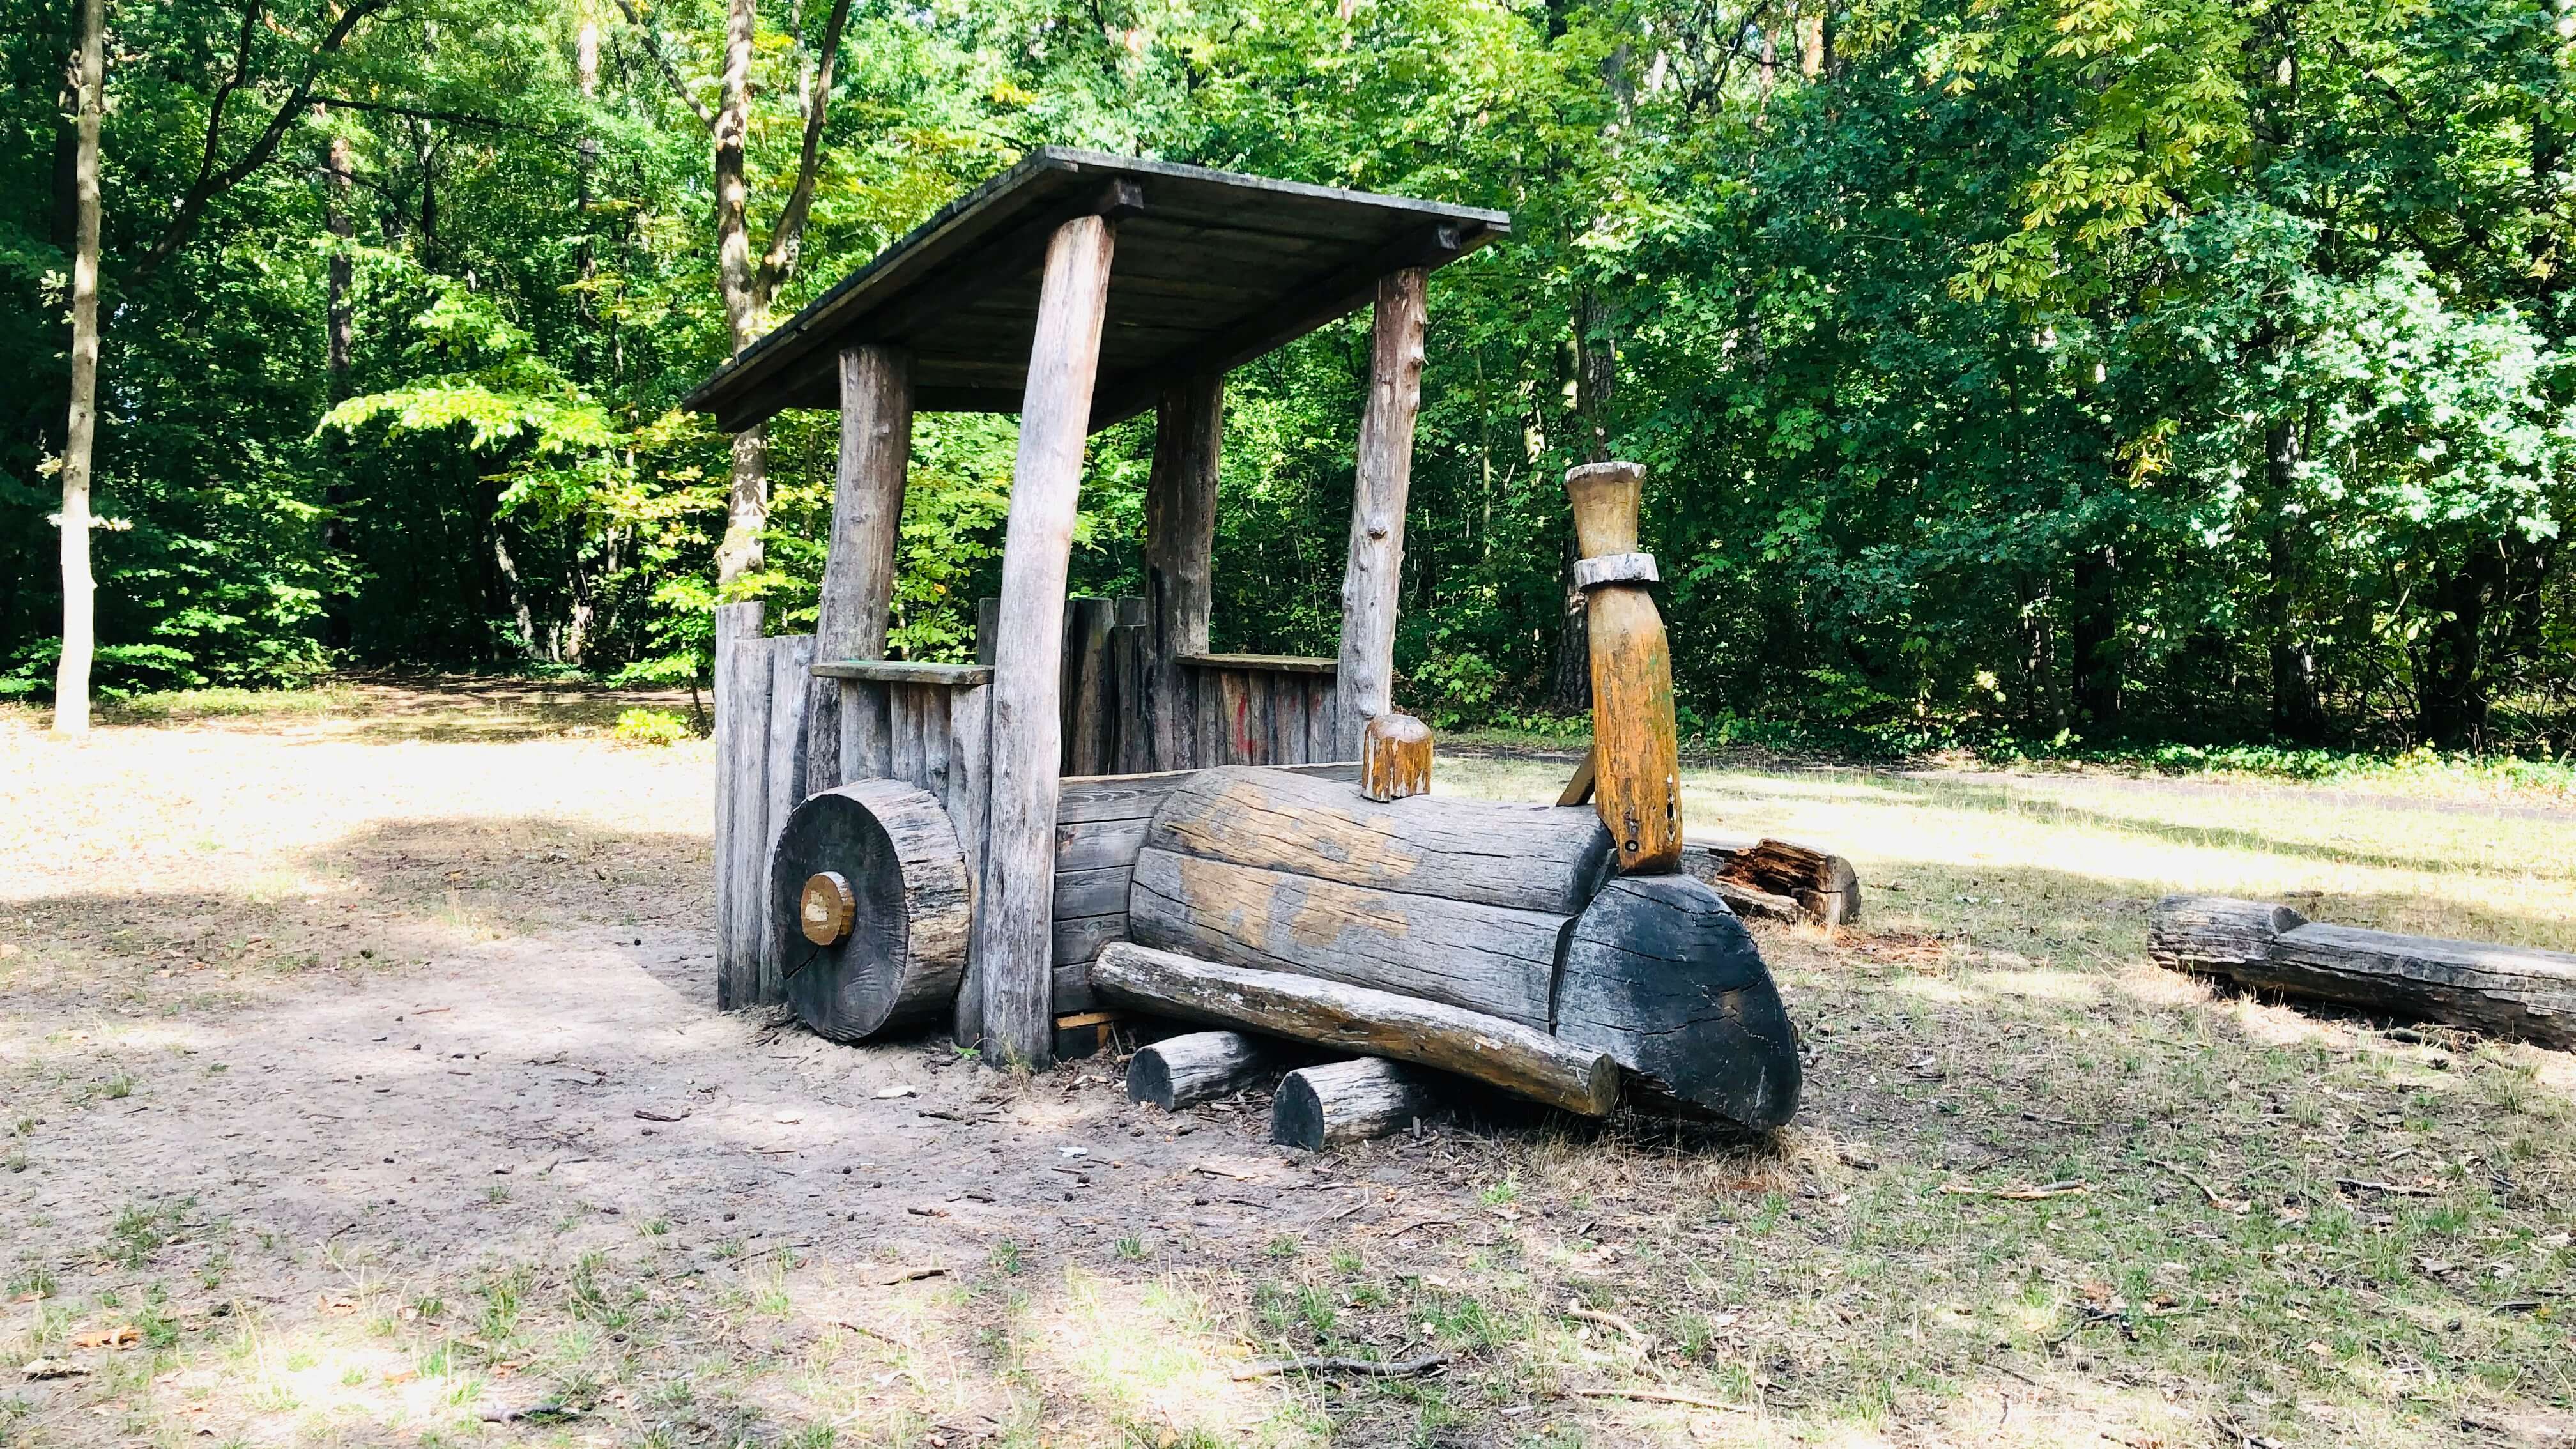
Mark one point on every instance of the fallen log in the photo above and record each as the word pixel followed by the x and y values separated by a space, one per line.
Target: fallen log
pixel 1320 1106
pixel 1824 886
pixel 1181 1070
pixel 1351 1018
pixel 2510 991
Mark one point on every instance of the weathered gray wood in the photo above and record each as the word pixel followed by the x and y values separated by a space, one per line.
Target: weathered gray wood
pixel 1324 1106
pixel 1234 701
pixel 1488 959
pixel 905 671
pixel 1350 1018
pixel 1013 917
pixel 1207 716
pixel 1131 674
pixel 1663 977
pixel 1374 570
pixel 905 952
pixel 988 627
pixel 1270 663
pixel 1099 891
pixel 742 798
pixel 858 562
pixel 1261 717
pixel 1137 797
pixel 2510 991
pixel 970 715
pixel 904 714
pixel 1094 844
pixel 1087 689
pixel 2217 935
pixel 1180 541
pixel 1323 709
pixel 1315 822
pixel 1199 1066
pixel 790 659
pixel 1820 887
pixel 934 702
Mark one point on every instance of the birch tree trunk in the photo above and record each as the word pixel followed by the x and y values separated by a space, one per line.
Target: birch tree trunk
pixel 71 675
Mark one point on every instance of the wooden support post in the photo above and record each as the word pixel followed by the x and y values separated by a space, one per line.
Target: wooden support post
pixel 1636 754
pixel 858 563
pixel 1013 919
pixel 742 802
pixel 1087 691
pixel 1180 540
pixel 1376 562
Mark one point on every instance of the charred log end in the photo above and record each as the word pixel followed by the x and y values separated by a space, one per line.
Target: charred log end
pixel 1350 1102
pixel 1660 975
pixel 2217 935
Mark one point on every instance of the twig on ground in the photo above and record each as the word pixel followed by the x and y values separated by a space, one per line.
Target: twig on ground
pixel 2223 1204
pixel 2060 1121
pixel 1369 1367
pixel 532 1411
pixel 1665 1396
pixel 1610 1320
pixel 2068 1188
pixel 2393 1189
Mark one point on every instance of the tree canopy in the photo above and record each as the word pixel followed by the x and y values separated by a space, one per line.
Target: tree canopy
pixel 2044 369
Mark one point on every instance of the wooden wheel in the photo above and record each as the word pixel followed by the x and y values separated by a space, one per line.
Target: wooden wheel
pixel 870 900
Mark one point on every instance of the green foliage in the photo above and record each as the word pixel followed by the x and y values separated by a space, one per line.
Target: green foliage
pixel 657 728
pixel 2011 374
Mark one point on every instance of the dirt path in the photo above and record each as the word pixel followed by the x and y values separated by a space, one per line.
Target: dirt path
pixel 362 1066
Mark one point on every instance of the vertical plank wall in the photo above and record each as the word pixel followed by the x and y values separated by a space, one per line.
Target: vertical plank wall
pixel 760 770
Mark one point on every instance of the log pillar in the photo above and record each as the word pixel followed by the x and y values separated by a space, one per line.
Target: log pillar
pixel 1180 542
pixel 1370 578
pixel 1004 1005
pixel 858 563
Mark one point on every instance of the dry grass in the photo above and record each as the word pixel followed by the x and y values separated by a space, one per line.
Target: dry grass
pixel 221 929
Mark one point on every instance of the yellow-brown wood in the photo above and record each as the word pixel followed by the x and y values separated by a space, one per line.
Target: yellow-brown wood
pixel 1395 757
pixel 1578 791
pixel 826 907
pixel 1636 750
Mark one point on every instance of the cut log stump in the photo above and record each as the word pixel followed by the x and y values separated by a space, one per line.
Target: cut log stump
pixel 1201 1066
pixel 1760 878
pixel 1660 975
pixel 870 906
pixel 1318 1107
pixel 1395 757
pixel 2510 991
pixel 1487 1048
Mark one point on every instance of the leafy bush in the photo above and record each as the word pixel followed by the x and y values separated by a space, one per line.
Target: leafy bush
pixel 653 728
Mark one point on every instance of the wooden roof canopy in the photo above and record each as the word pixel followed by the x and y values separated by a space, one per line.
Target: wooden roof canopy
pixel 1212 269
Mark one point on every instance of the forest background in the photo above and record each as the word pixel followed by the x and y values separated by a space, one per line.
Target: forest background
pixel 2017 374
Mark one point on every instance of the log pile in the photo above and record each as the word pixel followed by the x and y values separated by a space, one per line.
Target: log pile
pixel 2510 991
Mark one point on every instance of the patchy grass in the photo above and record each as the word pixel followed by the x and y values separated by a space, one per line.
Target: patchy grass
pixel 2039 1193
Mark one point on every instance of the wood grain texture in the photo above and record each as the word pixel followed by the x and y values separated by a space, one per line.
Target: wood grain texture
pixel 1636 748
pixel 1777 879
pixel 859 559
pixel 1316 822
pixel 1349 1018
pixel 742 800
pixel 1180 542
pixel 790 659
pixel 1199 1066
pixel 1324 1106
pixel 1372 573
pixel 1088 695
pixel 1660 975
pixel 905 953
pixel 1482 958
pixel 1395 757
pixel 2508 991
pixel 905 671
pixel 1013 922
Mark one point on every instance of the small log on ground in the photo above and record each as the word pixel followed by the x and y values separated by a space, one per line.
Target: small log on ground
pixel 1180 1070
pixel 1823 887
pixel 2510 991
pixel 870 909
pixel 1664 978
pixel 1351 1018
pixel 1350 1101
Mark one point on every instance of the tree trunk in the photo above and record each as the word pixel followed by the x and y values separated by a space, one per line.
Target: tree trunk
pixel 2096 638
pixel 1595 378
pixel 2453 693
pixel 339 175
pixel 747 501
pixel 71 675
pixel 2298 714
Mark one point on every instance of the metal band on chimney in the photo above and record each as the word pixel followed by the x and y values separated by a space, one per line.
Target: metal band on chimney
pixel 1615 568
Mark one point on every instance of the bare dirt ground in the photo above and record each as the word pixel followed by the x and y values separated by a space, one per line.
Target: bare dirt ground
pixel 363 1085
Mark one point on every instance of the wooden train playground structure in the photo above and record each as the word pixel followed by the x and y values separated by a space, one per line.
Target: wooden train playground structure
pixel 1104 821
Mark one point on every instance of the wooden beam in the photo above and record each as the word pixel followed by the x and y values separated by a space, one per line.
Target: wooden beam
pixel 906 671
pixel 1375 566
pixel 858 563
pixel 1180 542
pixel 1009 965
pixel 1301 309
